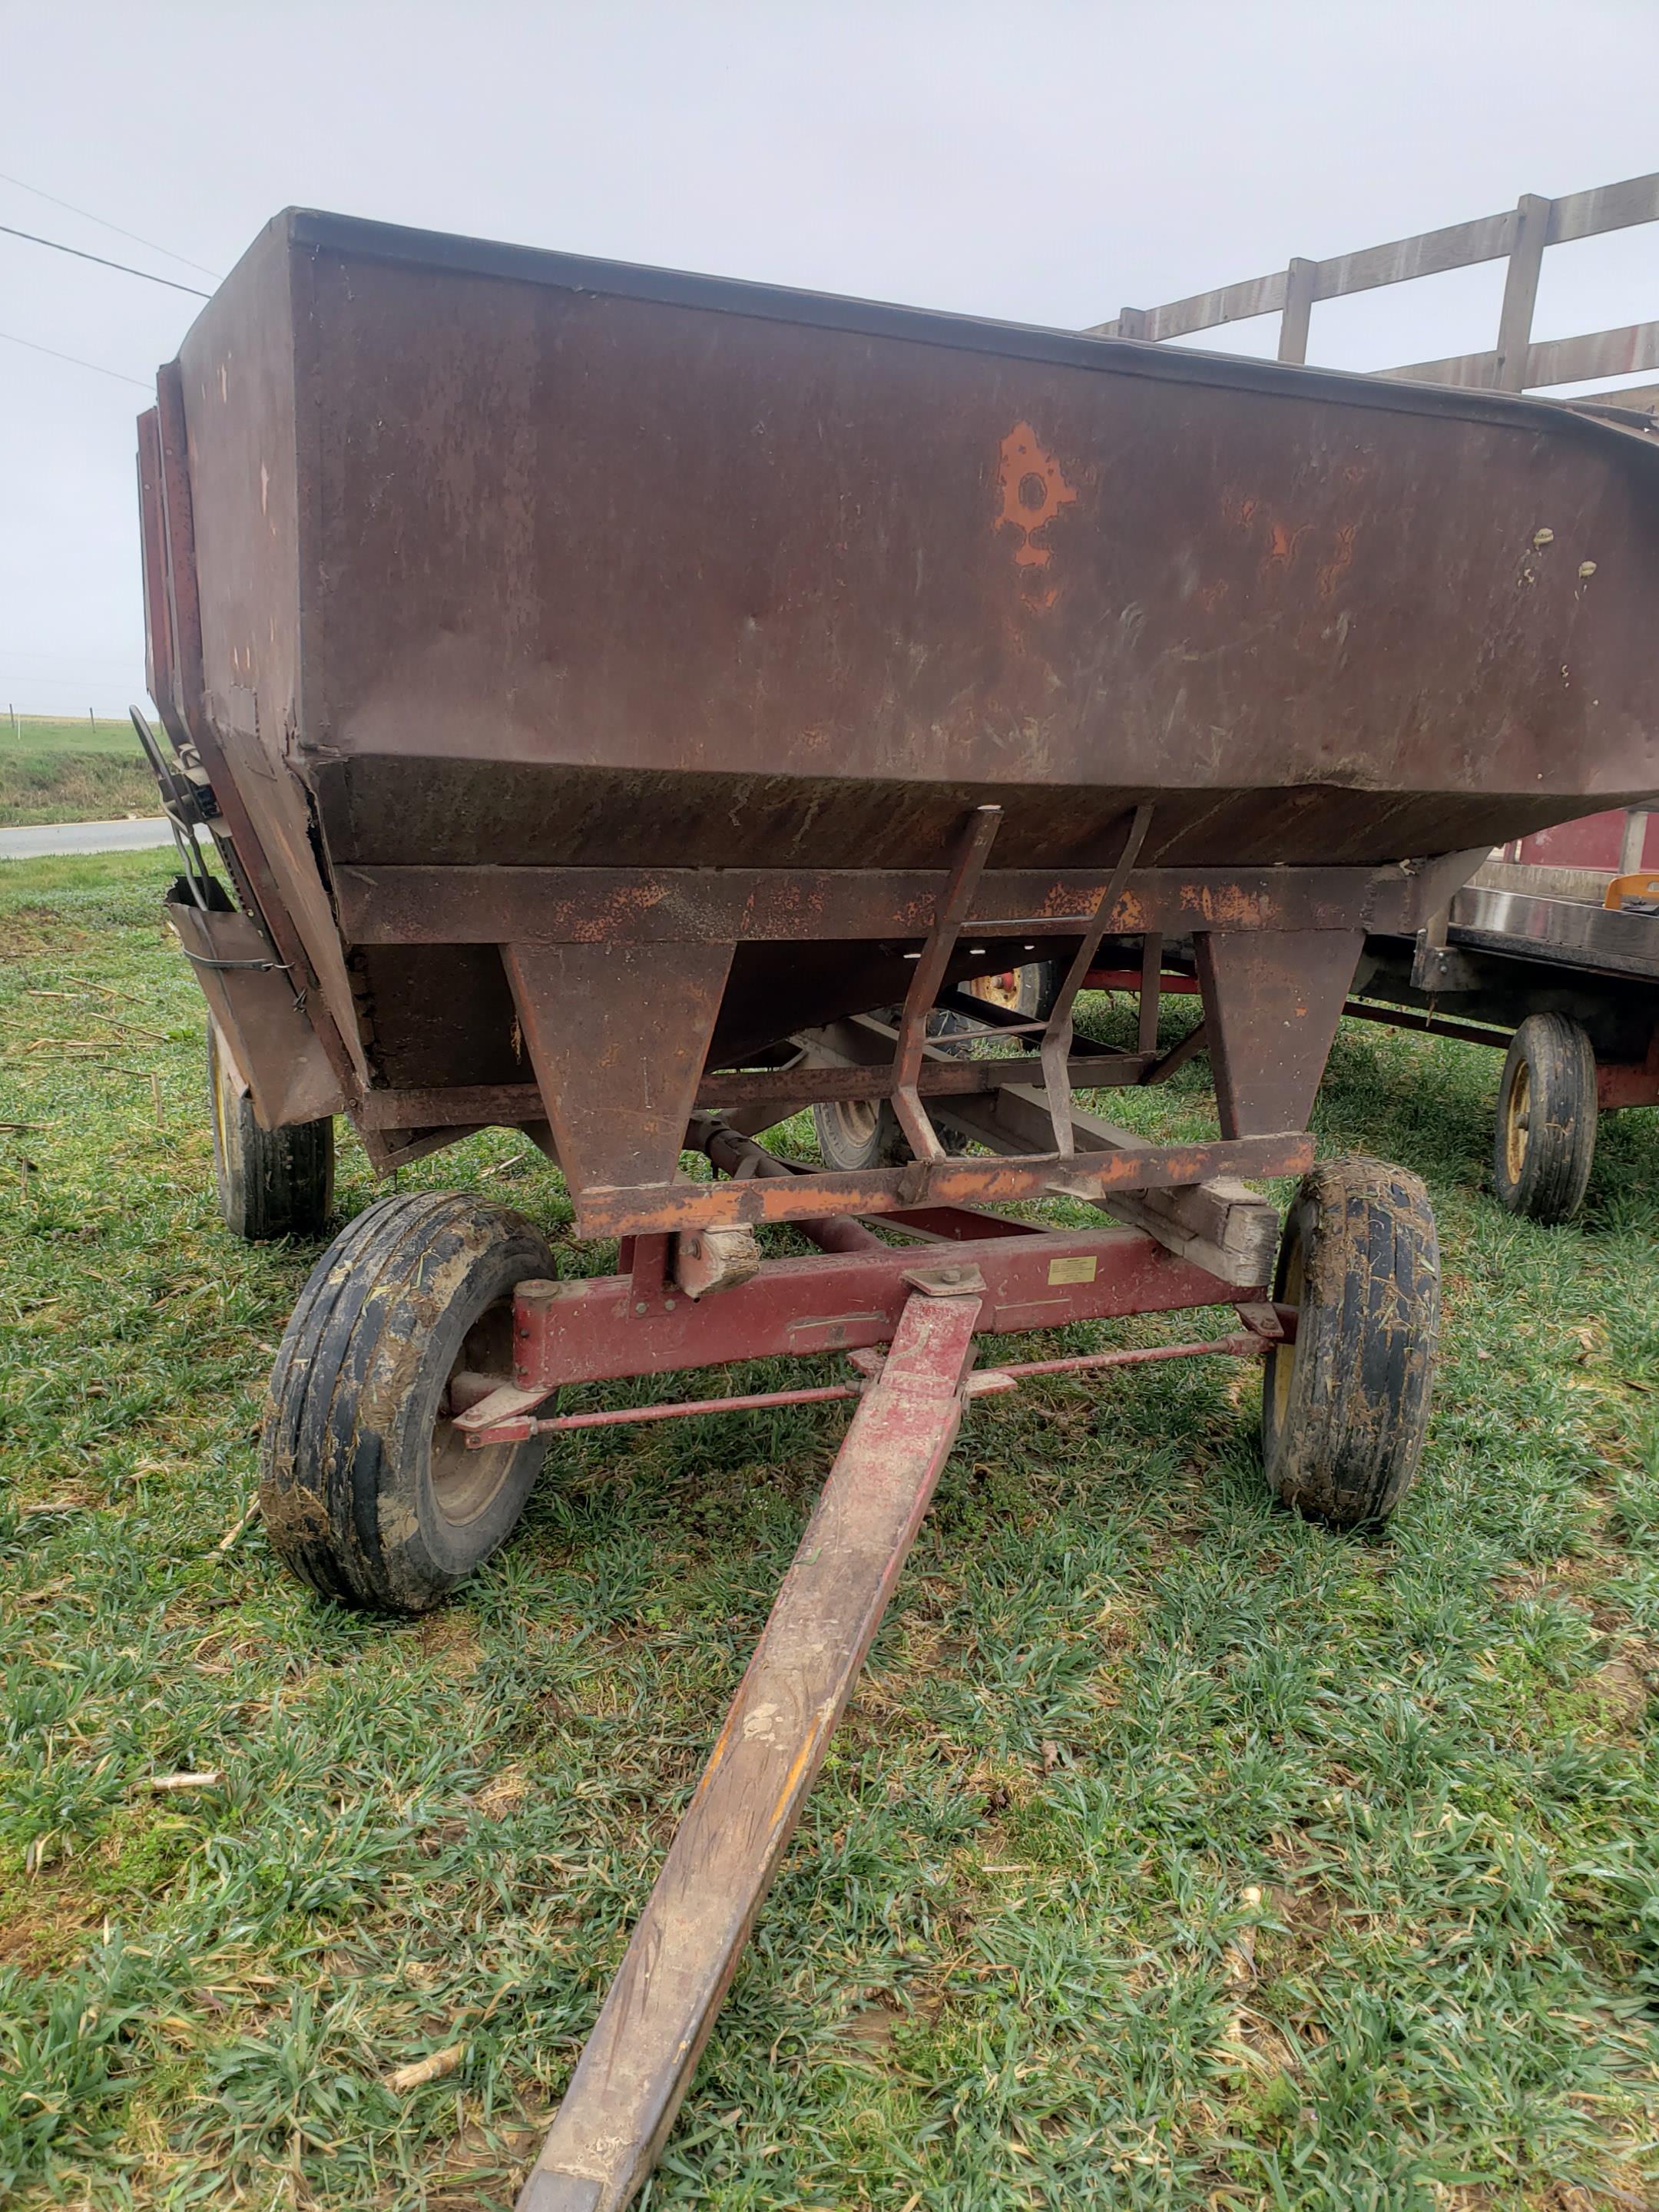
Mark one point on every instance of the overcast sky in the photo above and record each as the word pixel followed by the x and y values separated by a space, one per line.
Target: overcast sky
pixel 1037 160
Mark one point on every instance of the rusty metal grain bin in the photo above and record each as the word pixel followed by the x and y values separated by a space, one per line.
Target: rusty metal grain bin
pixel 506 561
pixel 834 569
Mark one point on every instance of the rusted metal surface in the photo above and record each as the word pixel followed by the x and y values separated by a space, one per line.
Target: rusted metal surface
pixel 1271 1003
pixel 931 966
pixel 617 1038
pixel 832 591
pixel 661 634
pixel 511 1427
pixel 593 1329
pixel 489 905
pixel 645 1209
pixel 638 2061
pixel 1055 1049
pixel 253 1003
pixel 1629 1084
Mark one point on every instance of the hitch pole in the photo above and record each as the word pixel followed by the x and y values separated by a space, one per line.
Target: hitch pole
pixel 637 2063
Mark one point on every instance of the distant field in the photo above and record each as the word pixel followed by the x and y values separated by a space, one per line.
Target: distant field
pixel 70 771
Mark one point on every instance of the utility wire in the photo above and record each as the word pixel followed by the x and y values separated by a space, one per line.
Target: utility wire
pixel 125 268
pixel 104 223
pixel 97 366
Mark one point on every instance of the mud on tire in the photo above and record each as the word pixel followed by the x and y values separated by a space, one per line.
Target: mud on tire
pixel 1345 1409
pixel 366 1491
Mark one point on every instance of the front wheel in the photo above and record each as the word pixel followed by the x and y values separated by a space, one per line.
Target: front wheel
pixel 1547 1107
pixel 367 1490
pixel 1345 1408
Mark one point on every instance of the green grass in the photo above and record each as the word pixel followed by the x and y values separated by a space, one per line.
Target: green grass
pixel 71 771
pixel 1175 1853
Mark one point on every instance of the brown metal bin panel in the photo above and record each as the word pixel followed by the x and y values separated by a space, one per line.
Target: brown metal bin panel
pixel 272 1043
pixel 236 377
pixel 627 534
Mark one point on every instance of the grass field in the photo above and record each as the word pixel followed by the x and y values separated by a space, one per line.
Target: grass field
pixel 1175 1854
pixel 71 771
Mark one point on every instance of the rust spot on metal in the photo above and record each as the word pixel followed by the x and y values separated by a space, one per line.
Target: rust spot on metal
pixel 1033 492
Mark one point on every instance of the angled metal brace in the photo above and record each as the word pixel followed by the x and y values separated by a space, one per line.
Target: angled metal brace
pixel 929 979
pixel 1057 1047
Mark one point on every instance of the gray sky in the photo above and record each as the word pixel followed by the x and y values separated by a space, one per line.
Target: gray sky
pixel 1038 160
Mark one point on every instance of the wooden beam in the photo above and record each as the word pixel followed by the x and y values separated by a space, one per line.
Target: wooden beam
pixel 1551 360
pixel 1605 208
pixel 1428 253
pixel 1532 219
pixel 1599 353
pixel 1300 278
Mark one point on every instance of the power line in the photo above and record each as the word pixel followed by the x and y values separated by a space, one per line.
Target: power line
pixel 104 223
pixel 125 267
pixel 97 366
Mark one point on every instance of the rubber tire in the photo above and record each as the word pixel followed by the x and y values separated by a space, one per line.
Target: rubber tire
pixel 1036 987
pixel 1344 1409
pixel 852 1138
pixel 1549 1077
pixel 352 1415
pixel 271 1183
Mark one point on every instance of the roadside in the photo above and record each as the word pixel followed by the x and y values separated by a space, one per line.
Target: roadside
pixel 68 770
pixel 132 833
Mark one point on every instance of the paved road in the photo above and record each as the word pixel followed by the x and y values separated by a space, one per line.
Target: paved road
pixel 83 837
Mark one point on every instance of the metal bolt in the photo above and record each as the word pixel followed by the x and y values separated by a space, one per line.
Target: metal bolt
pixel 641 1307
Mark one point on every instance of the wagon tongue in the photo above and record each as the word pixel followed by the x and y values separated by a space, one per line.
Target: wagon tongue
pixel 637 2063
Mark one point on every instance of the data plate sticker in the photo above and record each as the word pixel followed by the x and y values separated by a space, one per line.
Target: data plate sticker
pixel 1078 1270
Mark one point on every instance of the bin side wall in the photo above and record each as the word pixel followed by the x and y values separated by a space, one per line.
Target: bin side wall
pixel 636 540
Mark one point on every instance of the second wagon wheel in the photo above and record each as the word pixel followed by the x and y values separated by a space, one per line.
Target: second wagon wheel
pixel 1345 1408
pixel 855 1133
pixel 1545 1145
pixel 271 1183
pixel 367 1491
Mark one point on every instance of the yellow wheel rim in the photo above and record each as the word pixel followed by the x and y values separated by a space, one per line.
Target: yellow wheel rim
pixel 997 990
pixel 1284 1355
pixel 1517 1123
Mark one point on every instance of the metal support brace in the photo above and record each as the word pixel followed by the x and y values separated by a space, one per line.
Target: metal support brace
pixel 1056 1048
pixel 928 980
pixel 637 2063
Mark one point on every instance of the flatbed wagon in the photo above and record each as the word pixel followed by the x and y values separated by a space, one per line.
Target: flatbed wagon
pixel 1558 967
pixel 635 708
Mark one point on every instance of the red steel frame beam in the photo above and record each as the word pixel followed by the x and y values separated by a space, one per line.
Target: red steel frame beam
pixel 610 1328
